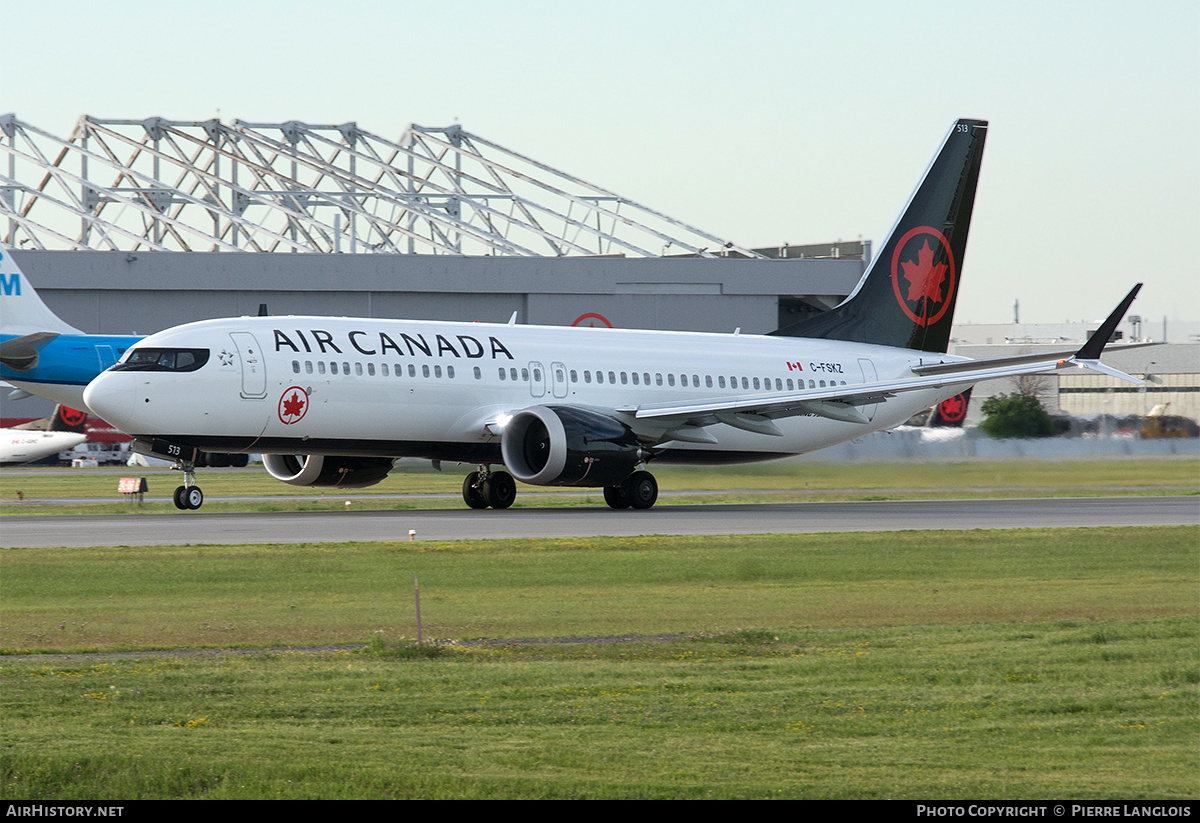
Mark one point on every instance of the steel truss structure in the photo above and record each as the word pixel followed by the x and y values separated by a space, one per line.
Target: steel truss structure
pixel 206 186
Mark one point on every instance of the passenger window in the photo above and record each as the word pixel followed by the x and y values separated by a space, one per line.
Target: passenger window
pixel 295 366
pixel 450 372
pixel 333 367
pixel 320 367
pixel 478 373
pixel 670 379
pixel 358 369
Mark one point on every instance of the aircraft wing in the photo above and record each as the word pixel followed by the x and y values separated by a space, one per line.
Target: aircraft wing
pixel 755 412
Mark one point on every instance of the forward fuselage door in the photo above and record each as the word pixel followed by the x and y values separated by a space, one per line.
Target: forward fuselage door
pixel 558 379
pixel 869 376
pixel 537 380
pixel 254 367
pixel 107 356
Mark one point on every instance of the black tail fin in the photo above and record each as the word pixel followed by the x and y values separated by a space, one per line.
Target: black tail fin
pixel 906 298
pixel 66 419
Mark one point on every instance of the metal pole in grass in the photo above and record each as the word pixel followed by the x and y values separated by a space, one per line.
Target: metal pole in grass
pixel 417 594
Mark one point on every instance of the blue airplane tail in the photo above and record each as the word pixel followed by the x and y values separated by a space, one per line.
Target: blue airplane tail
pixel 22 311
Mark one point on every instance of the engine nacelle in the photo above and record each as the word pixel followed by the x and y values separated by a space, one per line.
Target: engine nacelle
pixel 327 470
pixel 566 446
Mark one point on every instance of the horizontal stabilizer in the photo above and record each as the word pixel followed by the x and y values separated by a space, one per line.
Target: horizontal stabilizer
pixel 21 353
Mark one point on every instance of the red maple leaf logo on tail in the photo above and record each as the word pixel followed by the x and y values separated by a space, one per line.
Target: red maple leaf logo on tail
pixel 924 278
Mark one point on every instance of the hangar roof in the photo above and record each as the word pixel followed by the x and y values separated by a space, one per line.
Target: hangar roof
pixel 172 185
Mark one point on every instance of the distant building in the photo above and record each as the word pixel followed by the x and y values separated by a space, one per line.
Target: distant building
pixel 1171 371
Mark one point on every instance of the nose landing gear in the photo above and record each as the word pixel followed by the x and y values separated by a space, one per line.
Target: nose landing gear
pixel 188 496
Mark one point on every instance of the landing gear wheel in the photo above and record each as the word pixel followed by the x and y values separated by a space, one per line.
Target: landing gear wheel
pixel 473 492
pixel 615 497
pixel 188 497
pixel 641 489
pixel 500 490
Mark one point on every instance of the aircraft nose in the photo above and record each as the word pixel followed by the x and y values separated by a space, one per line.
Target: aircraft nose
pixel 111 397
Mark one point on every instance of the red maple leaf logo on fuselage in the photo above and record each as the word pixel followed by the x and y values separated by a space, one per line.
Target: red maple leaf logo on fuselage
pixel 293 405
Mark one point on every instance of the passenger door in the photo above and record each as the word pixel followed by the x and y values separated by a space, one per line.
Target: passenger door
pixel 254 367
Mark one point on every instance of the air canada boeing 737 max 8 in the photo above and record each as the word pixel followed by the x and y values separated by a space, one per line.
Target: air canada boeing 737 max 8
pixel 332 401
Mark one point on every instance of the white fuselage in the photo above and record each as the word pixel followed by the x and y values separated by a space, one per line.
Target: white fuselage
pixel 443 390
pixel 25 445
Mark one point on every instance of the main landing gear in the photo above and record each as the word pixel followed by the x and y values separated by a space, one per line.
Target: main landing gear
pixel 488 488
pixel 639 491
pixel 188 496
pixel 498 490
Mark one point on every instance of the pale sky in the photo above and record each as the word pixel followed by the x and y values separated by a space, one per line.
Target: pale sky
pixel 764 122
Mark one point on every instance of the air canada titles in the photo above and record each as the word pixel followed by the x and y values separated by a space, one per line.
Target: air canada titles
pixel 318 341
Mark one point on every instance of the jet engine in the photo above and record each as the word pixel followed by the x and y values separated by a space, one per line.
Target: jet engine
pixel 327 470
pixel 567 446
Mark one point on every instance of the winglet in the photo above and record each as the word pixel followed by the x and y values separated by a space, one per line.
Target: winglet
pixel 1088 355
pixel 1095 345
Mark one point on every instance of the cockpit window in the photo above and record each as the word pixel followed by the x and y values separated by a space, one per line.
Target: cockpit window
pixel 148 359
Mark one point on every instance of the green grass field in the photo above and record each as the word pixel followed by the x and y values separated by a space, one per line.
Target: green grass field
pixel 778 482
pixel 983 664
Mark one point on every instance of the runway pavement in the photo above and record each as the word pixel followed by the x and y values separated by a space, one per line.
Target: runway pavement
pixel 186 528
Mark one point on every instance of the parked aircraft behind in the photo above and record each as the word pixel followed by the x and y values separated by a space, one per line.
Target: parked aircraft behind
pixel 332 401
pixel 42 438
pixel 42 355
pixel 39 352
